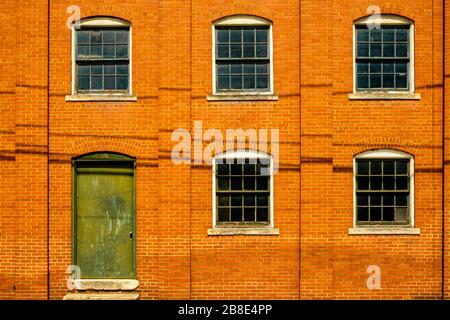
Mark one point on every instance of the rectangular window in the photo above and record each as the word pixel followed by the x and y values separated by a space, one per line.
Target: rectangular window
pixel 382 58
pixel 243 192
pixel 102 59
pixel 383 191
pixel 242 59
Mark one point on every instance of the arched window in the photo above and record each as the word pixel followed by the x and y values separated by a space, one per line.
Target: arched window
pixel 384 55
pixel 101 57
pixel 242 55
pixel 104 216
pixel 384 189
pixel 243 193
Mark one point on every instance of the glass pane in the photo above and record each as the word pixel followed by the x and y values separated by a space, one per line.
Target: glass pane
pixel 82 37
pixel 223 69
pixel 375 200
pixel 96 37
pixel 388 50
pixel 249 168
pixel 388 199
pixel 109 51
pixel 388 214
pixel 249 183
pixel 236 183
pixel 84 70
pixel 84 83
pixel 249 201
pixel 223 35
pixel 375 81
pixel 375 35
pixel 262 82
pixel 401 214
pixel 401 200
pixel 402 183
pixel 375 68
pixel 109 36
pixel 263 201
pixel 363 81
pixel 97 70
pixel 375 214
pixel 389 183
pixel 236 68
pixel 401 50
pixel 236 201
pixel 375 183
pixel 362 200
pixel 375 167
pixel 262 68
pixel 223 82
pixel 362 67
pixel 236 214
pixel 223 201
pixel 249 68
pixel 249 214
pixel 363 50
pixel 96 50
pixel 122 69
pixel 261 35
pixel 110 83
pixel 363 183
pixel 223 184
pixel 109 69
pixel 96 83
pixel 223 214
pixel 375 50
pixel 388 35
pixel 236 82
pixel 122 83
pixel 83 51
pixel 262 214
pixel 261 51
pixel 402 35
pixel 249 82
pixel 236 35
pixel 388 167
pixel 122 36
pixel 222 169
pixel 401 67
pixel 401 167
pixel 362 35
pixel 236 51
pixel 249 35
pixel 401 81
pixel 262 183
pixel 363 167
pixel 249 51
pixel 388 81
pixel 223 51
pixel 388 67
pixel 121 51
pixel 363 214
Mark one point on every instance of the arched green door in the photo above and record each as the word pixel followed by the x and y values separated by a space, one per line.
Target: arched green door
pixel 104 216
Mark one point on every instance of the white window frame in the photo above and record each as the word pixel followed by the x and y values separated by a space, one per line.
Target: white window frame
pixel 94 96
pixel 386 20
pixel 235 230
pixel 385 229
pixel 243 21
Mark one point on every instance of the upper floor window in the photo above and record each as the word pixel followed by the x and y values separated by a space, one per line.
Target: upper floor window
pixel 384 54
pixel 384 186
pixel 242 55
pixel 102 56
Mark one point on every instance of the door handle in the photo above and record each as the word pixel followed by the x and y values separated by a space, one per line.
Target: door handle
pixel 131 234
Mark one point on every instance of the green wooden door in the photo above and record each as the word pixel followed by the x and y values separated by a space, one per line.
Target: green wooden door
pixel 105 220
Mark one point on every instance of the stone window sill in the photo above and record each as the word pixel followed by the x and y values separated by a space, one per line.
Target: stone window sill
pixel 384 230
pixel 247 231
pixel 105 284
pixel 101 296
pixel 242 97
pixel 78 97
pixel 384 96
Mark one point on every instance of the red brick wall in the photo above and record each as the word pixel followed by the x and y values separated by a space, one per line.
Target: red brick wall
pixel 321 130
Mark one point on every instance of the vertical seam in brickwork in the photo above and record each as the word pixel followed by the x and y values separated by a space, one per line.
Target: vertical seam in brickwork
pixel 48 149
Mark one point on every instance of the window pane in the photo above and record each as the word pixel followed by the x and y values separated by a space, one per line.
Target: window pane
pixel 402 35
pixel 110 83
pixel 362 67
pixel 83 51
pixel 263 201
pixel 223 201
pixel 402 183
pixel 249 35
pixel 375 214
pixel 109 69
pixel 223 69
pixel 249 201
pixel 401 167
pixel 222 169
pixel 388 199
pixel 223 82
pixel 262 214
pixel 249 183
pixel 236 201
pixel 84 83
pixel 388 214
pixel 262 82
pixel 223 36
pixel 375 50
pixel 261 51
pixel 401 81
pixel 363 183
pixel 262 68
pixel 236 35
pixel 223 214
pixel 96 37
pixel 84 70
pixel 388 167
pixel 122 69
pixel 249 51
pixel 121 51
pixel 96 83
pixel 389 183
pixel 249 68
pixel 388 67
pixel 97 70
pixel 236 183
pixel 375 81
pixel 401 200
pixel 236 82
pixel 261 35
pixel 375 200
pixel 375 35
pixel 375 68
pixel 362 35
pixel 388 35
pixel 223 51
pixel 401 67
pixel 236 51
pixel 96 50
pixel 375 167
pixel 362 200
pixel 363 50
pixel 223 184
pixel 375 183
pixel 122 83
pixel 109 36
pixel 402 50
pixel 363 167
pixel 109 51
pixel 363 81
pixel 249 82
pixel 122 36
pixel 262 183
pixel 388 50
pixel 236 214
pixel 249 214
pixel 401 214
pixel 236 68
pixel 82 36
pixel 363 214
pixel 388 81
